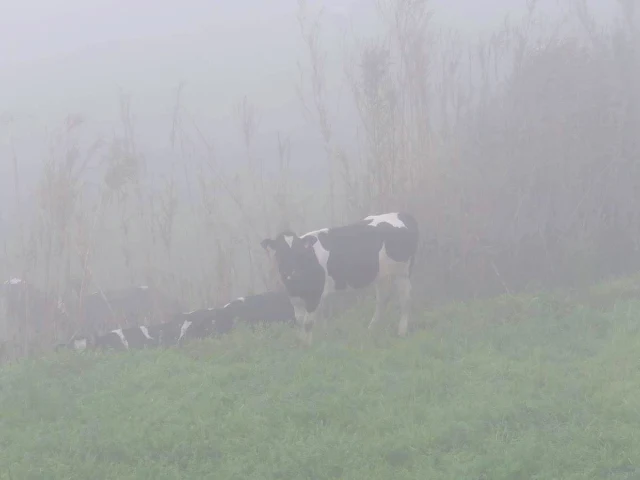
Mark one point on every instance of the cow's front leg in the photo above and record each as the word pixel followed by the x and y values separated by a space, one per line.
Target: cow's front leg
pixel 307 327
pixel 379 305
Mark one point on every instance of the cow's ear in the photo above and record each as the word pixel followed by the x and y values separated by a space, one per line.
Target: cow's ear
pixel 268 244
pixel 309 241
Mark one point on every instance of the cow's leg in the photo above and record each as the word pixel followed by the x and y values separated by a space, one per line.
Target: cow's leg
pixel 307 326
pixel 403 285
pixel 379 304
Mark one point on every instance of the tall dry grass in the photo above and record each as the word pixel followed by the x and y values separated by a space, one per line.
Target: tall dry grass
pixel 517 153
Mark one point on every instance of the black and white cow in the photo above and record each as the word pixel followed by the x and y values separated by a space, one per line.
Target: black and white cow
pixel 265 308
pixel 136 305
pixel 120 339
pixel 25 306
pixel 199 324
pixel 352 256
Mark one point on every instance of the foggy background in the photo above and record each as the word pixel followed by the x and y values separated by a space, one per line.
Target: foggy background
pixel 159 143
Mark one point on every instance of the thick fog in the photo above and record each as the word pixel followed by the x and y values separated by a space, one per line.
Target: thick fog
pixel 162 142
pixel 72 57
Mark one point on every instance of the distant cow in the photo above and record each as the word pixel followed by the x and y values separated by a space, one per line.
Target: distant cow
pixel 352 256
pixel 26 308
pixel 125 307
pixel 269 307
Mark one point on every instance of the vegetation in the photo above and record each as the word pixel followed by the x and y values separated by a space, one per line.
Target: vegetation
pixel 518 156
pixel 515 387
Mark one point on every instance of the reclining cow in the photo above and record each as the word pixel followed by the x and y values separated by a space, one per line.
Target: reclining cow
pixel 262 308
pixel 127 306
pixel 132 338
pixel 180 329
pixel 352 256
pixel 204 323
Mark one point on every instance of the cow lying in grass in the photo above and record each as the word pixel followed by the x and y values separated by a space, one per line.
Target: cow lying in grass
pixel 266 308
pixel 183 327
pixel 263 308
pixel 347 257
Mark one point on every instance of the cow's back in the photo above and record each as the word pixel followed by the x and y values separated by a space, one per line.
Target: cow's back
pixel 353 254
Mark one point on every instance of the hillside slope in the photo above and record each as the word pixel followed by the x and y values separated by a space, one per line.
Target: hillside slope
pixel 516 387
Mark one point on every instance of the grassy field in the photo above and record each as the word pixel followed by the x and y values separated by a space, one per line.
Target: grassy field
pixel 543 387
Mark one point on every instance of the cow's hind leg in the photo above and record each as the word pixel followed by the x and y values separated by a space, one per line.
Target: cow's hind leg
pixel 403 285
pixel 379 304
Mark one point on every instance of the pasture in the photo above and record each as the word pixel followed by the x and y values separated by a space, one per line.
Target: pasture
pixel 531 386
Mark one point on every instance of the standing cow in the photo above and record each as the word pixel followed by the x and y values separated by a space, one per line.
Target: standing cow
pixel 352 256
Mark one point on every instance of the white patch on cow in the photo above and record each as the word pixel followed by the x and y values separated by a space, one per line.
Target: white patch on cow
pixel 80 345
pixel 390 218
pixel 289 240
pixel 121 335
pixel 323 258
pixel 143 287
pixel 145 332
pixel 315 232
pixel 240 299
pixel 13 281
pixel 183 329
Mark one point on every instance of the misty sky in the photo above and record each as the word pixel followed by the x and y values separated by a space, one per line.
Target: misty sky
pixel 71 56
pixel 33 30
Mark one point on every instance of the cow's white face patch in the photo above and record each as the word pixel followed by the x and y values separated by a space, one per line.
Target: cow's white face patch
pixel 122 338
pixel 145 332
pixel 289 240
pixel 390 218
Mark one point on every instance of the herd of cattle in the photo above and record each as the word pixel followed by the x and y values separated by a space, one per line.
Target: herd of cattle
pixel 263 308
pixel 311 267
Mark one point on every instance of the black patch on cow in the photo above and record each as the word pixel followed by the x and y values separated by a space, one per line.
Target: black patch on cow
pixel 167 333
pixel 353 254
pixel 127 306
pixel 136 338
pixel 269 307
pixel 109 341
pixel 202 323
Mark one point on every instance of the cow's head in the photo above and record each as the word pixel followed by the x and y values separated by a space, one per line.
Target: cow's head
pixel 293 255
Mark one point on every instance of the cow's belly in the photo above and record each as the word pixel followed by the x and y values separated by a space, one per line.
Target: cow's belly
pixel 389 267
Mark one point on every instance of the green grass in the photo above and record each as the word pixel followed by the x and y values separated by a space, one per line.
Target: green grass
pixel 544 387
